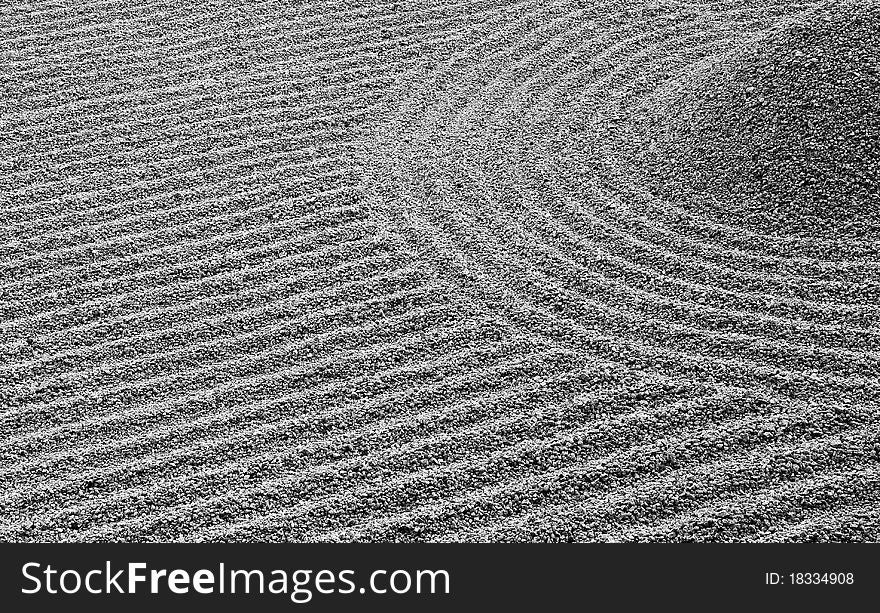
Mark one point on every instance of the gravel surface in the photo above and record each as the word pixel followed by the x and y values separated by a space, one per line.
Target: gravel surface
pixel 782 134
pixel 396 271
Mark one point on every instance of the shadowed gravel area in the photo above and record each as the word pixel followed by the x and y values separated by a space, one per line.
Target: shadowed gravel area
pixel 422 270
pixel 782 134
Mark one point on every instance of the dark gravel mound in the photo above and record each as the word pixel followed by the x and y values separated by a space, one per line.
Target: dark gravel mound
pixel 783 136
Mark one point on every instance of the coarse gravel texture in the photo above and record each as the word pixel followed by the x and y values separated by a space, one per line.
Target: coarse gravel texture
pixel 448 271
